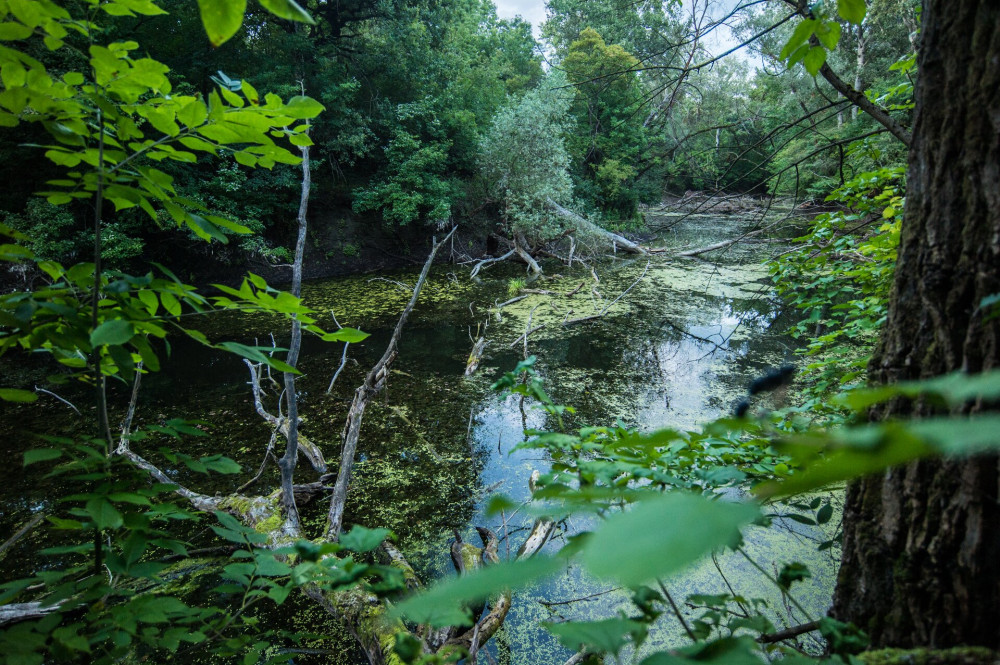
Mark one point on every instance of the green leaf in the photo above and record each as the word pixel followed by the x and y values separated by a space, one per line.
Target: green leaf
pixel 220 464
pixel 793 572
pixel 824 514
pixel 221 18
pixel 303 107
pixel 257 355
pixel 268 566
pixel 829 34
pixel 41 455
pixel 955 389
pixel 859 451
pixel 112 331
pixel 16 395
pixel 205 229
pixel 852 11
pixel 287 9
pixel 799 37
pixel 349 335
pixel 664 535
pixel 814 60
pixel 497 503
pixel 607 636
pixel 14 31
pixel 442 604
pixel 170 303
pixel 359 539
pixel 725 651
pixel 105 515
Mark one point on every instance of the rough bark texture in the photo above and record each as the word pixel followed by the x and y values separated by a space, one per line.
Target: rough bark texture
pixel 921 562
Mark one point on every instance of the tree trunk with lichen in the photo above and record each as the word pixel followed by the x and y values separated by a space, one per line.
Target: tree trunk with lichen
pixel 921 561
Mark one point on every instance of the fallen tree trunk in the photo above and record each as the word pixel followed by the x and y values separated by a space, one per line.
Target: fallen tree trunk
pixel 727 243
pixel 15 612
pixel 527 258
pixel 588 226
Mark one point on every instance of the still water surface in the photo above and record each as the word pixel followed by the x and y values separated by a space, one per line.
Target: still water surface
pixel 677 351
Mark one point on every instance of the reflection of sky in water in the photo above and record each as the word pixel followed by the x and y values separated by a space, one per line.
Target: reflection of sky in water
pixel 642 363
pixel 662 378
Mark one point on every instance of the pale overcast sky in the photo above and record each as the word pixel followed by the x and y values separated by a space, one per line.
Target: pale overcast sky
pixel 532 11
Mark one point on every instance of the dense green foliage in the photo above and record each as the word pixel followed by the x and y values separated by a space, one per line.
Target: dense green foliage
pixel 524 160
pixel 423 113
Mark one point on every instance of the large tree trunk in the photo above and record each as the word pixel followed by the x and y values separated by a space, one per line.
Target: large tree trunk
pixel 921 562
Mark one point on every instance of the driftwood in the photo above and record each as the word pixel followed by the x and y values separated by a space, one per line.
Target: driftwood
pixel 478 347
pixel 373 383
pixel 475 356
pixel 614 239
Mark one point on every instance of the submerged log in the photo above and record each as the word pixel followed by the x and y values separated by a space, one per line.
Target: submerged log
pixel 475 356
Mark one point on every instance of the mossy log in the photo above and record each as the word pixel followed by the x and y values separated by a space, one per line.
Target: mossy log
pixel 955 656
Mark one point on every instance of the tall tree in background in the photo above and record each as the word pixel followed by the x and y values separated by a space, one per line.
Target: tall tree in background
pixel 610 137
pixel 921 562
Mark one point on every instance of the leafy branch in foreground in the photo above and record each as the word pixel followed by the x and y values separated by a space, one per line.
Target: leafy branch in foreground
pixel 647 491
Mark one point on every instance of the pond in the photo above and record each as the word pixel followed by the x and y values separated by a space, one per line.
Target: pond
pixel 677 350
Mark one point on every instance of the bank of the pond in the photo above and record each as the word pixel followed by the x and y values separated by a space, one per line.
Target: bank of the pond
pixel 677 351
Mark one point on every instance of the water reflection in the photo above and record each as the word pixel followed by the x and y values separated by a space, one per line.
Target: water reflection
pixel 676 352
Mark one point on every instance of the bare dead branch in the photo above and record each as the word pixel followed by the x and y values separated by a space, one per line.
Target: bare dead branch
pixel 485 262
pixel 788 633
pixel 20 533
pixel 588 226
pixel 64 401
pixel 372 384
pixel 604 311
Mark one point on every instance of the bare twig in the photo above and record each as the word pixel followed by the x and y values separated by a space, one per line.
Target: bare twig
pixel 343 362
pixel 63 400
pixel 263 464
